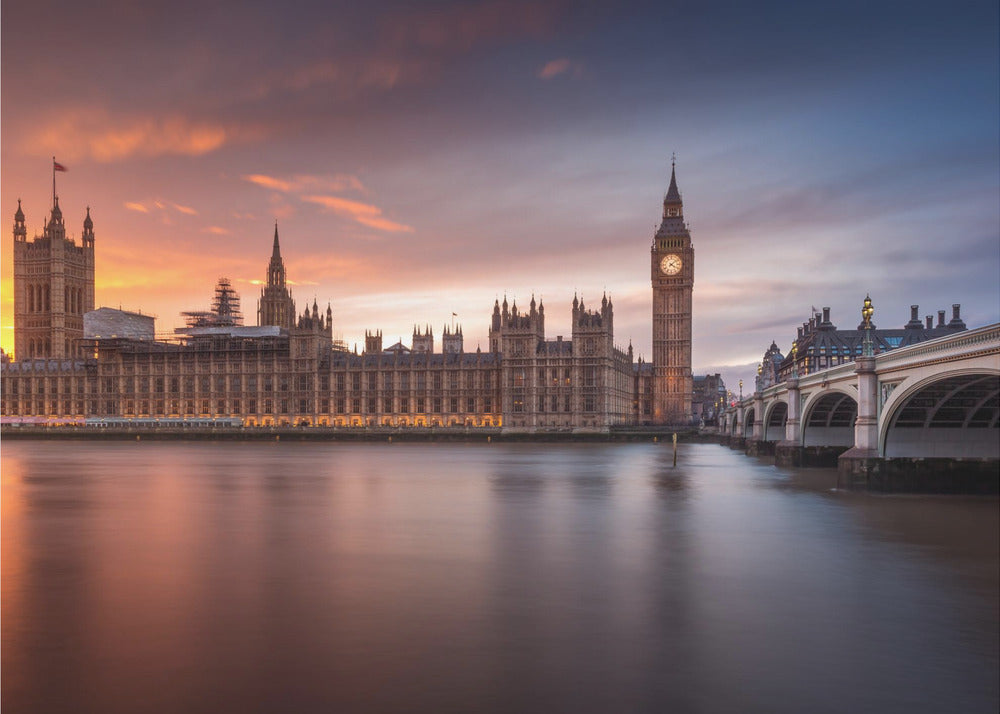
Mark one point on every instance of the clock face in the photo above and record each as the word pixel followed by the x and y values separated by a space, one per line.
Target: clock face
pixel 671 264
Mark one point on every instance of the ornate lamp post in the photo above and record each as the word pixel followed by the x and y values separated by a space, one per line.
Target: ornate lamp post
pixel 795 359
pixel 867 310
pixel 741 391
pixel 760 375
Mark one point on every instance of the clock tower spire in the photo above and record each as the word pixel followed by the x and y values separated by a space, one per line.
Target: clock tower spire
pixel 672 273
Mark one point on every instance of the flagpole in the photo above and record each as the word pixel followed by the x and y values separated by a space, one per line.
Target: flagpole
pixel 53 182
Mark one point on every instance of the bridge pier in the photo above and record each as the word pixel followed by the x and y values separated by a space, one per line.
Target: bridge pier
pixel 789 451
pixel 861 464
pixel 759 447
pixel 918 475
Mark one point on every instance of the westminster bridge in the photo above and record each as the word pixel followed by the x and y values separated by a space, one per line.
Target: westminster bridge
pixel 922 418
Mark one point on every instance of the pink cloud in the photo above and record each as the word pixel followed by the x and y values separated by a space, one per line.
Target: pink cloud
pixel 136 207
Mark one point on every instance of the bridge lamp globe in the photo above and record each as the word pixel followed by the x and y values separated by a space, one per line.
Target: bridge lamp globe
pixel 867 310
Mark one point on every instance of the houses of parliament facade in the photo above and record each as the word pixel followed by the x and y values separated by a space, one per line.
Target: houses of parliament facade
pixel 74 364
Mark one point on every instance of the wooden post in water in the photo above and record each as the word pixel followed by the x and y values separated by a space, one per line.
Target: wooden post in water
pixel 675 448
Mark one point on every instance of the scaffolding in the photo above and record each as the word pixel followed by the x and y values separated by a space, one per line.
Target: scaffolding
pixel 225 310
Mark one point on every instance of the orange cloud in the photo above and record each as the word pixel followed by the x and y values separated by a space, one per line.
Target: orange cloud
pixel 304 182
pixel 136 207
pixel 269 182
pixel 217 230
pixel 93 133
pixel 185 209
pixel 364 213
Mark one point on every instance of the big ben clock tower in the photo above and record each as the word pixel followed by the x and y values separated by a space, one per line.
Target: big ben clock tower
pixel 672 263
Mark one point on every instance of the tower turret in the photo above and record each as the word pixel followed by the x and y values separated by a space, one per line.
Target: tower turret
pixel 88 230
pixel 20 233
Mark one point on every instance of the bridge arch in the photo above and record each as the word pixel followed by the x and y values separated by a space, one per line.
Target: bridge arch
pixel 828 418
pixel 748 417
pixel 947 415
pixel 775 417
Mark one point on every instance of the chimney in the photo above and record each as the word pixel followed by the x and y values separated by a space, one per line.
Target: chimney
pixel 800 333
pixel 930 322
pixel 826 316
pixel 956 318
pixel 914 323
pixel 940 318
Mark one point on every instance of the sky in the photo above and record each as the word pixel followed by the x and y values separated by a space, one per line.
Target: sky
pixel 423 159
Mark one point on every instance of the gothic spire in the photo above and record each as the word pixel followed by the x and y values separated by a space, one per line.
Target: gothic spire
pixel 673 194
pixel 276 251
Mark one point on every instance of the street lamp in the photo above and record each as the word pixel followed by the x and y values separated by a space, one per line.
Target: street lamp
pixel 760 373
pixel 741 391
pixel 795 359
pixel 867 310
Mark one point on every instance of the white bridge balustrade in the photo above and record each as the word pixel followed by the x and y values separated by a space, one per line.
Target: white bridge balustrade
pixel 920 417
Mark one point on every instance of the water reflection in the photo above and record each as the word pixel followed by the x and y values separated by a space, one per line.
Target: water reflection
pixel 277 577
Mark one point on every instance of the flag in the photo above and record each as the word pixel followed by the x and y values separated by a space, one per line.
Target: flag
pixel 454 314
pixel 57 166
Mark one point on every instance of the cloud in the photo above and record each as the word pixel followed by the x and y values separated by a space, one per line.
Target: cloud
pixel 306 182
pixel 555 68
pixel 95 134
pixel 364 213
pixel 217 230
pixel 161 206
pixel 269 182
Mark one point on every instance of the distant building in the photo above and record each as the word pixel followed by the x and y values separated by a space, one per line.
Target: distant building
pixel 709 398
pixel 819 344
pixel 770 367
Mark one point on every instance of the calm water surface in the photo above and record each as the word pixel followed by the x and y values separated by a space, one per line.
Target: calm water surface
pixel 173 577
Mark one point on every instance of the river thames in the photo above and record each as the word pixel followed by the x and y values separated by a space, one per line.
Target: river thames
pixel 206 577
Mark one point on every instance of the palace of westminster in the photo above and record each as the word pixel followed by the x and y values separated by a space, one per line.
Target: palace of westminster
pixel 74 363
